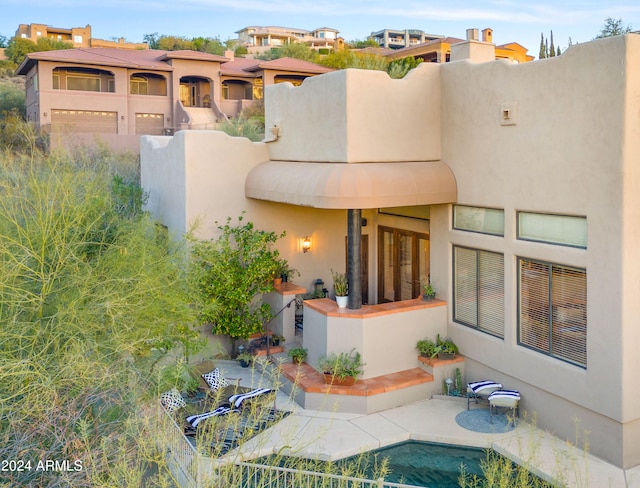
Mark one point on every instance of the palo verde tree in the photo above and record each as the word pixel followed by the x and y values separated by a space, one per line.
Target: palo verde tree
pixel 231 273
pixel 86 289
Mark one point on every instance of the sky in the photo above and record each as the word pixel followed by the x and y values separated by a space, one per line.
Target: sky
pixel 520 21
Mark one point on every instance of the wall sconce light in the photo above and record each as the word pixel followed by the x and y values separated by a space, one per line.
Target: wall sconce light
pixel 122 117
pixel 306 244
pixel 44 114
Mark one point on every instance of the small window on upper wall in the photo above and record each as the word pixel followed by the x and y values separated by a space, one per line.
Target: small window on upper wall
pixel 478 219
pixel 563 230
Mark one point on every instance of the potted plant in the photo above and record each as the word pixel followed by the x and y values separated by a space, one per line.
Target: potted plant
pixel 428 293
pixel 341 288
pixel 341 368
pixel 276 339
pixel 245 359
pixel 445 348
pixel 297 355
pixel 426 347
pixel 289 273
pixel 282 268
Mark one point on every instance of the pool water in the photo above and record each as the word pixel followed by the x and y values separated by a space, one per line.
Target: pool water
pixel 429 464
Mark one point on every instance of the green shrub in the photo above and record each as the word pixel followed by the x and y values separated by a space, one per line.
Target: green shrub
pixel 12 100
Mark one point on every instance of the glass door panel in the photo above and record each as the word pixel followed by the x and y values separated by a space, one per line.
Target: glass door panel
pixel 387 288
pixel 403 264
pixel 405 251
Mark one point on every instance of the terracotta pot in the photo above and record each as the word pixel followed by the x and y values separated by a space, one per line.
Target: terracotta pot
pixel 277 281
pixel 330 379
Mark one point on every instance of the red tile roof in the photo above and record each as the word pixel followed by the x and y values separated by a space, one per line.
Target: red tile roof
pixel 239 67
pixel 107 56
pixel 249 67
pixel 292 64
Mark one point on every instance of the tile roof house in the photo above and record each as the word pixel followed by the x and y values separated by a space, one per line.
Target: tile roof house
pixel 519 203
pixel 78 36
pixel 439 50
pixel 261 39
pixel 120 94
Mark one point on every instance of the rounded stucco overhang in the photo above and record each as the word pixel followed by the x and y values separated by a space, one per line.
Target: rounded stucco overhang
pixel 352 185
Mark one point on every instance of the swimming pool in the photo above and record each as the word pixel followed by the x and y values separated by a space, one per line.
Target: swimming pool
pixel 428 464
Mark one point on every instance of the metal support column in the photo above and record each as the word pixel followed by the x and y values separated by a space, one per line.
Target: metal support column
pixel 354 258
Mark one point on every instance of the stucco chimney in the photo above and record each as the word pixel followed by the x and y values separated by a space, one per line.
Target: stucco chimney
pixel 487 35
pixel 472 34
pixel 474 50
pixel 230 55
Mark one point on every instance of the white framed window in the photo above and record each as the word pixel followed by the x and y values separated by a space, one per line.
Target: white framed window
pixel 478 289
pixel 479 219
pixel 139 85
pixel 552 310
pixel 563 230
pixel 77 39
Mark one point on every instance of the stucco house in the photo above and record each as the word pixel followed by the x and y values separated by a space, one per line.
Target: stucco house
pixel 78 36
pixel 120 94
pixel 259 39
pixel 513 187
pixel 438 50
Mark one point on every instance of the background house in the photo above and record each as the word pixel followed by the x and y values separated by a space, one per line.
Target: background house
pixel 120 94
pixel 78 36
pixel 439 50
pixel 532 250
pixel 397 39
pixel 261 39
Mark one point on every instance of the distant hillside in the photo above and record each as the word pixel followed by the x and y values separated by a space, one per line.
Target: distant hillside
pixel 12 80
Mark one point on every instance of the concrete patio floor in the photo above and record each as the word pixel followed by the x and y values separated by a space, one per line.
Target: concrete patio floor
pixel 333 435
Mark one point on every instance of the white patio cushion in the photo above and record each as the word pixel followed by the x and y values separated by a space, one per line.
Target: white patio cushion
pixel 172 400
pixel 479 387
pixel 215 379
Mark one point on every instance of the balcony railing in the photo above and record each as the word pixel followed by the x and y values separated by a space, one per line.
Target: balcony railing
pixel 194 470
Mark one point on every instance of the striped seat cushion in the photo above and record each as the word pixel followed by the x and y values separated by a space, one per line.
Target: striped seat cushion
pixel 194 420
pixel 505 394
pixel 236 400
pixel 478 386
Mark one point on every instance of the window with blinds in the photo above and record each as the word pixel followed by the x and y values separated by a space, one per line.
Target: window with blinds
pixel 553 310
pixel 478 287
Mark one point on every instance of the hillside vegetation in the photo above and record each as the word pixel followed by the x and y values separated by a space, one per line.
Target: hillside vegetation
pixel 89 288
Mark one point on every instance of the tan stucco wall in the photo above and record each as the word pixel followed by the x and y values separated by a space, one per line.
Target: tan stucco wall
pixel 210 188
pixel 571 147
pixel 573 150
pixel 357 116
pixel 386 342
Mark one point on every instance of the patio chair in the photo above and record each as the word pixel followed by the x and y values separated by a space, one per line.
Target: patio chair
pixel 242 399
pixel 508 399
pixel 478 389
pixel 194 420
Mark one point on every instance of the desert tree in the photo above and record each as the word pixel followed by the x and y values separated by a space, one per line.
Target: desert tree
pixel 87 291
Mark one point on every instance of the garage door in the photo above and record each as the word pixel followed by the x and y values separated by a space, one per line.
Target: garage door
pixel 150 124
pixel 87 121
